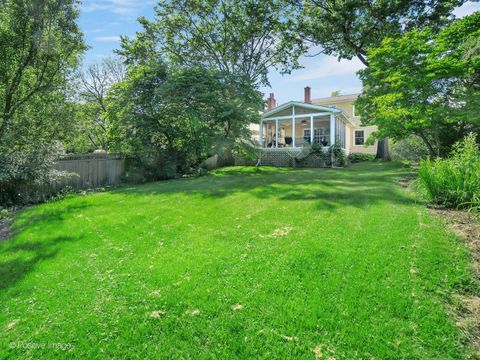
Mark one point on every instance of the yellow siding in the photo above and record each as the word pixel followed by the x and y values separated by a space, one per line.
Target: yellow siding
pixel 347 108
pixel 363 149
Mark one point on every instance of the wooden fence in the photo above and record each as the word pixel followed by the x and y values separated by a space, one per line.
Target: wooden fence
pixel 89 171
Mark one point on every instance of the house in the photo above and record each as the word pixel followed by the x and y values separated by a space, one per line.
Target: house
pixel 324 122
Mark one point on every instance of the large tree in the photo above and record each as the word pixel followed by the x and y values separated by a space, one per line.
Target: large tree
pixel 40 42
pixel 425 84
pixel 40 46
pixel 171 118
pixel 347 29
pixel 93 86
pixel 236 37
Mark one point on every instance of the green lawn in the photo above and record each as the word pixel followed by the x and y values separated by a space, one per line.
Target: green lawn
pixel 275 263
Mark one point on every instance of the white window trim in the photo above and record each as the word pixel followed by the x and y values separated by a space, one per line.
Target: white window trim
pixel 355 137
pixel 353 110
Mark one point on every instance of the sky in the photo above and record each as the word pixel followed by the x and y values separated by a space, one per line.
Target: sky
pixel 103 21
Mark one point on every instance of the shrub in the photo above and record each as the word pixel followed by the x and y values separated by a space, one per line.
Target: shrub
pixel 455 181
pixel 310 156
pixel 358 157
pixel 3 214
pixel 412 148
pixel 26 173
pixel 337 155
pixel 150 167
pixel 247 152
pixel 333 156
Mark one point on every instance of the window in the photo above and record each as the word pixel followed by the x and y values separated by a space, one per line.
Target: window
pixel 306 136
pixel 353 110
pixel 320 136
pixel 359 137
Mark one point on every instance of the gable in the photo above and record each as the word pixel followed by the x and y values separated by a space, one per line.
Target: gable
pixel 300 109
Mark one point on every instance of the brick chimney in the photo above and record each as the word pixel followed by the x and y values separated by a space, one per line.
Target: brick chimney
pixel 271 102
pixel 308 95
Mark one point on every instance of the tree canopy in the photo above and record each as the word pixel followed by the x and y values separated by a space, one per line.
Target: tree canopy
pixel 40 46
pixel 40 42
pixel 426 84
pixel 346 29
pixel 171 118
pixel 235 37
pixel 92 96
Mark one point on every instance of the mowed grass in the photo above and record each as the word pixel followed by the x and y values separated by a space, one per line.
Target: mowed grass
pixel 243 263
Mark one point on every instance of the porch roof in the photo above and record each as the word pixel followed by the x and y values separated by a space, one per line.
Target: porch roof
pixel 302 105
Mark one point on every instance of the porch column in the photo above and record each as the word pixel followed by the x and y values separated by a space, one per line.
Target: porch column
pixel 293 126
pixel 276 133
pixel 311 130
pixel 261 133
pixel 332 129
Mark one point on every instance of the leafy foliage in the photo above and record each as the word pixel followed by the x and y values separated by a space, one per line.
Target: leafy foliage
pixel 4 214
pixel 192 81
pixel 425 84
pixel 171 120
pixel 346 29
pixel 92 121
pixel 411 148
pixel 333 156
pixel 40 41
pixel 240 38
pixel 336 155
pixel 247 151
pixel 455 181
pixel 26 172
pixel 359 157
pixel 41 45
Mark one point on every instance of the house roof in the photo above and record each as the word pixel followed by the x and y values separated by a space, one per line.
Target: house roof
pixel 335 99
pixel 303 105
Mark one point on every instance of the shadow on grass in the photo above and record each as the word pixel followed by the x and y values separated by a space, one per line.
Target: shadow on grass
pixel 28 256
pixel 47 215
pixel 357 186
pixel 22 256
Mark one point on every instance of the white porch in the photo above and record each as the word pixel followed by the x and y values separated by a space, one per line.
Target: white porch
pixel 296 125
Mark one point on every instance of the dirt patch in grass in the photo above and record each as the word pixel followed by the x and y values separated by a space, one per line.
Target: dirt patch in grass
pixel 5 231
pixel 156 314
pixel 324 352
pixel 467 226
pixel 11 324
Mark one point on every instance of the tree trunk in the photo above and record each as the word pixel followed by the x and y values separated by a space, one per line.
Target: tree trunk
pixel 383 152
pixel 431 150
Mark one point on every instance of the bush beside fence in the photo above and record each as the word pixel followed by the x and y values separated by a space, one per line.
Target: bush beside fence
pixel 75 172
